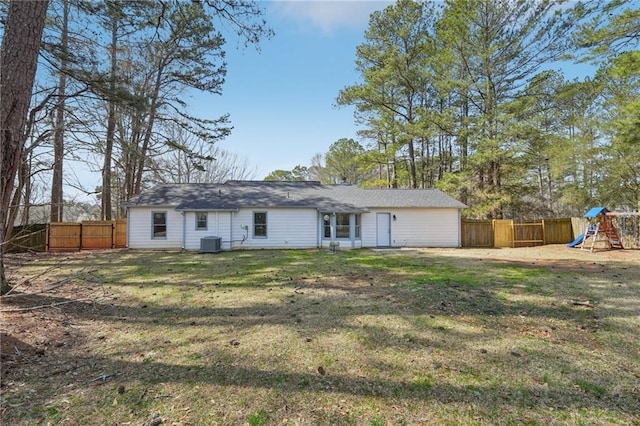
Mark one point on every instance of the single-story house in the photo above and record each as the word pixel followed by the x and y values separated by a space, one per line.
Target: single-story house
pixel 260 214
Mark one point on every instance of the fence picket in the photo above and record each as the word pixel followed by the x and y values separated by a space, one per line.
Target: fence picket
pixel 475 233
pixel 88 235
pixel 507 233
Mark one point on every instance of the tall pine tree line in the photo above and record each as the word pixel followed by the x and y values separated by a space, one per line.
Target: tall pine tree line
pixel 466 96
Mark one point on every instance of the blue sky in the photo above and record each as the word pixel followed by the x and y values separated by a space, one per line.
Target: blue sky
pixel 282 98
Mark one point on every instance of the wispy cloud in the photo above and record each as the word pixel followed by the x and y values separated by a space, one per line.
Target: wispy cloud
pixel 329 15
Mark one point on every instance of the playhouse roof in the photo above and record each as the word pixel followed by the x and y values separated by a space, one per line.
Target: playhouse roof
pixel 595 212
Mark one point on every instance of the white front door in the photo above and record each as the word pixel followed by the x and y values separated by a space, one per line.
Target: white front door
pixel 383 231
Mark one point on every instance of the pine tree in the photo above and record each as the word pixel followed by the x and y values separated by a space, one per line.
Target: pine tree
pixel 18 62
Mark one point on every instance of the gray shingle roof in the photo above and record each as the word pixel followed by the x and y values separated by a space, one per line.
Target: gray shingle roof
pixel 233 195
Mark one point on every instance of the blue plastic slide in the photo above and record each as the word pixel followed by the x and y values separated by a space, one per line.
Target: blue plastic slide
pixel 576 242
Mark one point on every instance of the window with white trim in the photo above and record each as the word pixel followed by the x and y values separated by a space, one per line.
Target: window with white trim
pixel 342 225
pixel 159 227
pixel 201 220
pixel 259 224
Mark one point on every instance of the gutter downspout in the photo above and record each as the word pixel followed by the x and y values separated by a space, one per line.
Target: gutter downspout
pixel 352 229
pixel 459 228
pixel 184 230
pixel 318 228
pixel 332 221
pixel 128 227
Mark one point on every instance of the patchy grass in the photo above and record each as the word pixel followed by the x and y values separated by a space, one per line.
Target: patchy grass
pixel 306 337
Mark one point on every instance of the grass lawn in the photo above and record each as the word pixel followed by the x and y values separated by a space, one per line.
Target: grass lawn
pixel 362 337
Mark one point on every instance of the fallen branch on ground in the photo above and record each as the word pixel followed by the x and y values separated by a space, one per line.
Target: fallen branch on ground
pixel 84 271
pixel 144 392
pixel 53 287
pixel 50 305
pixel 102 378
pixel 587 303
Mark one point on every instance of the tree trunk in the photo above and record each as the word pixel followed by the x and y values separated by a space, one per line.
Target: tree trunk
pixel 19 193
pixel 130 153
pixel 149 130
pixel 111 124
pixel 464 142
pixel 540 182
pixel 26 191
pixel 58 135
pixel 18 62
pixel 549 183
pixel 412 155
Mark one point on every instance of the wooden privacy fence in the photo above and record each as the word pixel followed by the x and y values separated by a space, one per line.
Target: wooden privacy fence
pixel 477 233
pixel 87 235
pixel 28 238
pixel 508 233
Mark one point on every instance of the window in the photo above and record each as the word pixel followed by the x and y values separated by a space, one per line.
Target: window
pixel 260 224
pixel 326 225
pixel 201 220
pixel 342 225
pixel 159 224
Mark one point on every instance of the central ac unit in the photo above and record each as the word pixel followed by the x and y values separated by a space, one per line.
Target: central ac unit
pixel 210 244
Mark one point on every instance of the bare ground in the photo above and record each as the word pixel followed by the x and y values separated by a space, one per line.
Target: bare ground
pixel 33 323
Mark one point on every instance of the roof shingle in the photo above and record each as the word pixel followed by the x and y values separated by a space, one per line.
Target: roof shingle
pixel 233 195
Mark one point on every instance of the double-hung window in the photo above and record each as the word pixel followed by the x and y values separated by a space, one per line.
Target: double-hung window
pixel 159 229
pixel 259 224
pixel 342 225
pixel 201 221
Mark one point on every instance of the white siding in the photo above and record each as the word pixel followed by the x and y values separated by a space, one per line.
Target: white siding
pixel 219 224
pixel 286 228
pixel 415 227
pixel 291 228
pixel 140 232
pixel 344 244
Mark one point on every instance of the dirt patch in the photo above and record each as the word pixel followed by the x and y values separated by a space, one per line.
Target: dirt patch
pixel 39 316
pixel 557 255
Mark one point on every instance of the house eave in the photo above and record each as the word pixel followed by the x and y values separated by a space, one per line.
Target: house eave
pixel 150 206
pixel 213 209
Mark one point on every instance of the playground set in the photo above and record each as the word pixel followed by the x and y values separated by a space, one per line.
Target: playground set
pixel 602 228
